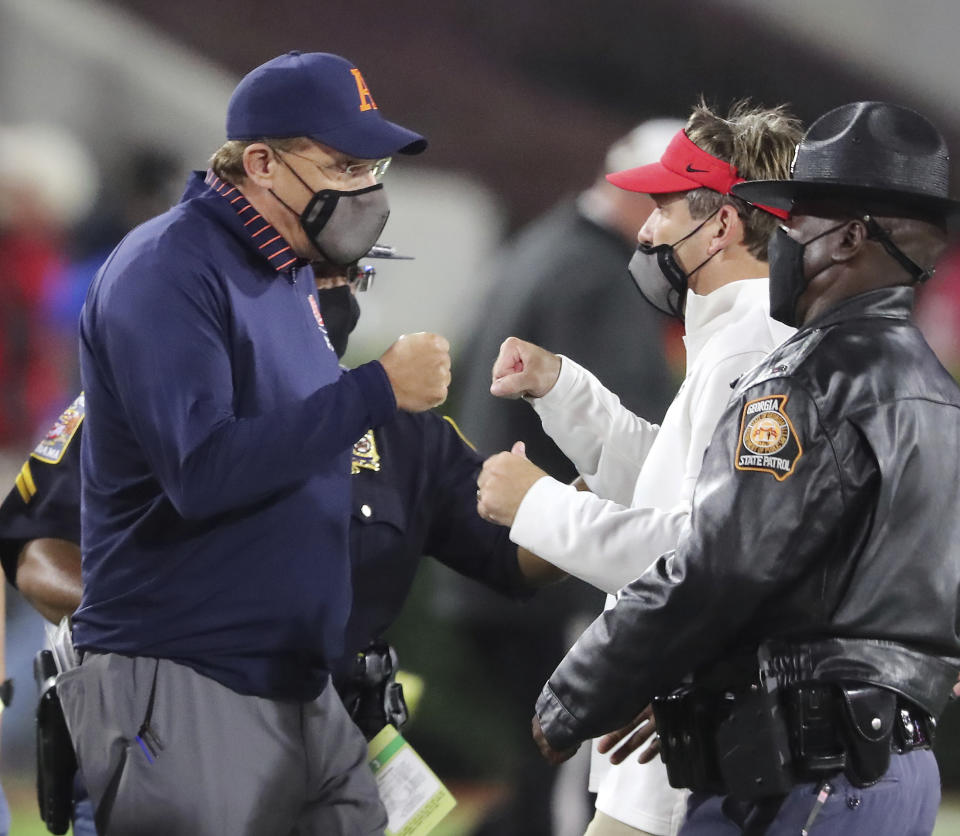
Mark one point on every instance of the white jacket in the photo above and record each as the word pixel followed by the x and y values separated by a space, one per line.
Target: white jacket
pixel 642 477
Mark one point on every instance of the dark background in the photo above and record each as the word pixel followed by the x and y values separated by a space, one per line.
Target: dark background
pixel 521 93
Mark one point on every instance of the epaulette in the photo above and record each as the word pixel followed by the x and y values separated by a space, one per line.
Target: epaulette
pixel 782 361
pixel 459 432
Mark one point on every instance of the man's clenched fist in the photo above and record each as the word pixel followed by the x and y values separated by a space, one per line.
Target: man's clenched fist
pixel 524 369
pixel 503 483
pixel 418 366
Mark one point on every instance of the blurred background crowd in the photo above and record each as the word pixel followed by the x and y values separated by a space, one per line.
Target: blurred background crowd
pixel 105 105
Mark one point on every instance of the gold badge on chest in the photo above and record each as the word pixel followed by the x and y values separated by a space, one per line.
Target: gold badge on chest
pixel 365 455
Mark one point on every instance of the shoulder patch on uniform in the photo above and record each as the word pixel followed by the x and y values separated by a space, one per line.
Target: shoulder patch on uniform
pixel 54 444
pixel 768 441
pixel 365 455
pixel 463 438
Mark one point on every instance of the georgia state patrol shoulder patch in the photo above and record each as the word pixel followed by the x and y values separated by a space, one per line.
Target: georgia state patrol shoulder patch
pixel 768 441
pixel 59 436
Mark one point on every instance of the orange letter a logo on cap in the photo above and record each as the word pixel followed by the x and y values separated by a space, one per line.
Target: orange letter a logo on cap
pixel 366 99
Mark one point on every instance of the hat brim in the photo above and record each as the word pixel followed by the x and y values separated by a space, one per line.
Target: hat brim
pixel 372 138
pixel 654 178
pixel 784 194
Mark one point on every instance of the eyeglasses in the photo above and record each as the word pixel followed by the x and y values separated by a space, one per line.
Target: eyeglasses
pixel 346 172
pixel 361 276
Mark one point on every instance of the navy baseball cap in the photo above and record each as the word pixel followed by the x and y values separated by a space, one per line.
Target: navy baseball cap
pixel 320 96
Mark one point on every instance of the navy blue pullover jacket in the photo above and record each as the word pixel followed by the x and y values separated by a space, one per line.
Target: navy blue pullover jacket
pixel 414 486
pixel 215 460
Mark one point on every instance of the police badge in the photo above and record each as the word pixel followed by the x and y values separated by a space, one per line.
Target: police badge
pixel 365 455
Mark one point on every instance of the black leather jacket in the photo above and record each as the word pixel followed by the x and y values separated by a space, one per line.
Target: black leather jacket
pixel 828 506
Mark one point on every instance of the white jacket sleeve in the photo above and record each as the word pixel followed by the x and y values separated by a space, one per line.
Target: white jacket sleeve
pixel 606 442
pixel 606 543
pixel 599 541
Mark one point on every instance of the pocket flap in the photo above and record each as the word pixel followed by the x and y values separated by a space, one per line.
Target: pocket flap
pixel 870 709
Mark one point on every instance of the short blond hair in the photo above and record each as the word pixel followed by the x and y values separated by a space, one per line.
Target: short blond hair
pixel 761 143
pixel 227 160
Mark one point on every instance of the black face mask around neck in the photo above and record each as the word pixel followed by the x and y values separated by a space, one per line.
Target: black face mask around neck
pixel 340 311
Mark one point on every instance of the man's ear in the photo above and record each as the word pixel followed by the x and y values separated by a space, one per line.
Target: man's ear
pixel 729 229
pixel 260 164
pixel 853 238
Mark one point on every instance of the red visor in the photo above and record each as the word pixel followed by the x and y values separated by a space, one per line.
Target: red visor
pixel 683 166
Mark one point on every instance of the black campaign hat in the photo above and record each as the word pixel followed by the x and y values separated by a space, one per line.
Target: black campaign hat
pixel 865 154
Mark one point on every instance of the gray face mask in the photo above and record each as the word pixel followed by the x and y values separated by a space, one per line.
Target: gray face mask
pixel 342 225
pixel 658 276
pixel 660 280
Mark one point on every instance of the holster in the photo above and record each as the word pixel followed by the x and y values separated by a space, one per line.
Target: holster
pixel 56 761
pixel 686 721
pixel 753 745
pixel 760 741
pixel 373 697
pixel 725 743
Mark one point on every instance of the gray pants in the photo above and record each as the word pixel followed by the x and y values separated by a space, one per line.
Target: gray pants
pixel 213 762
